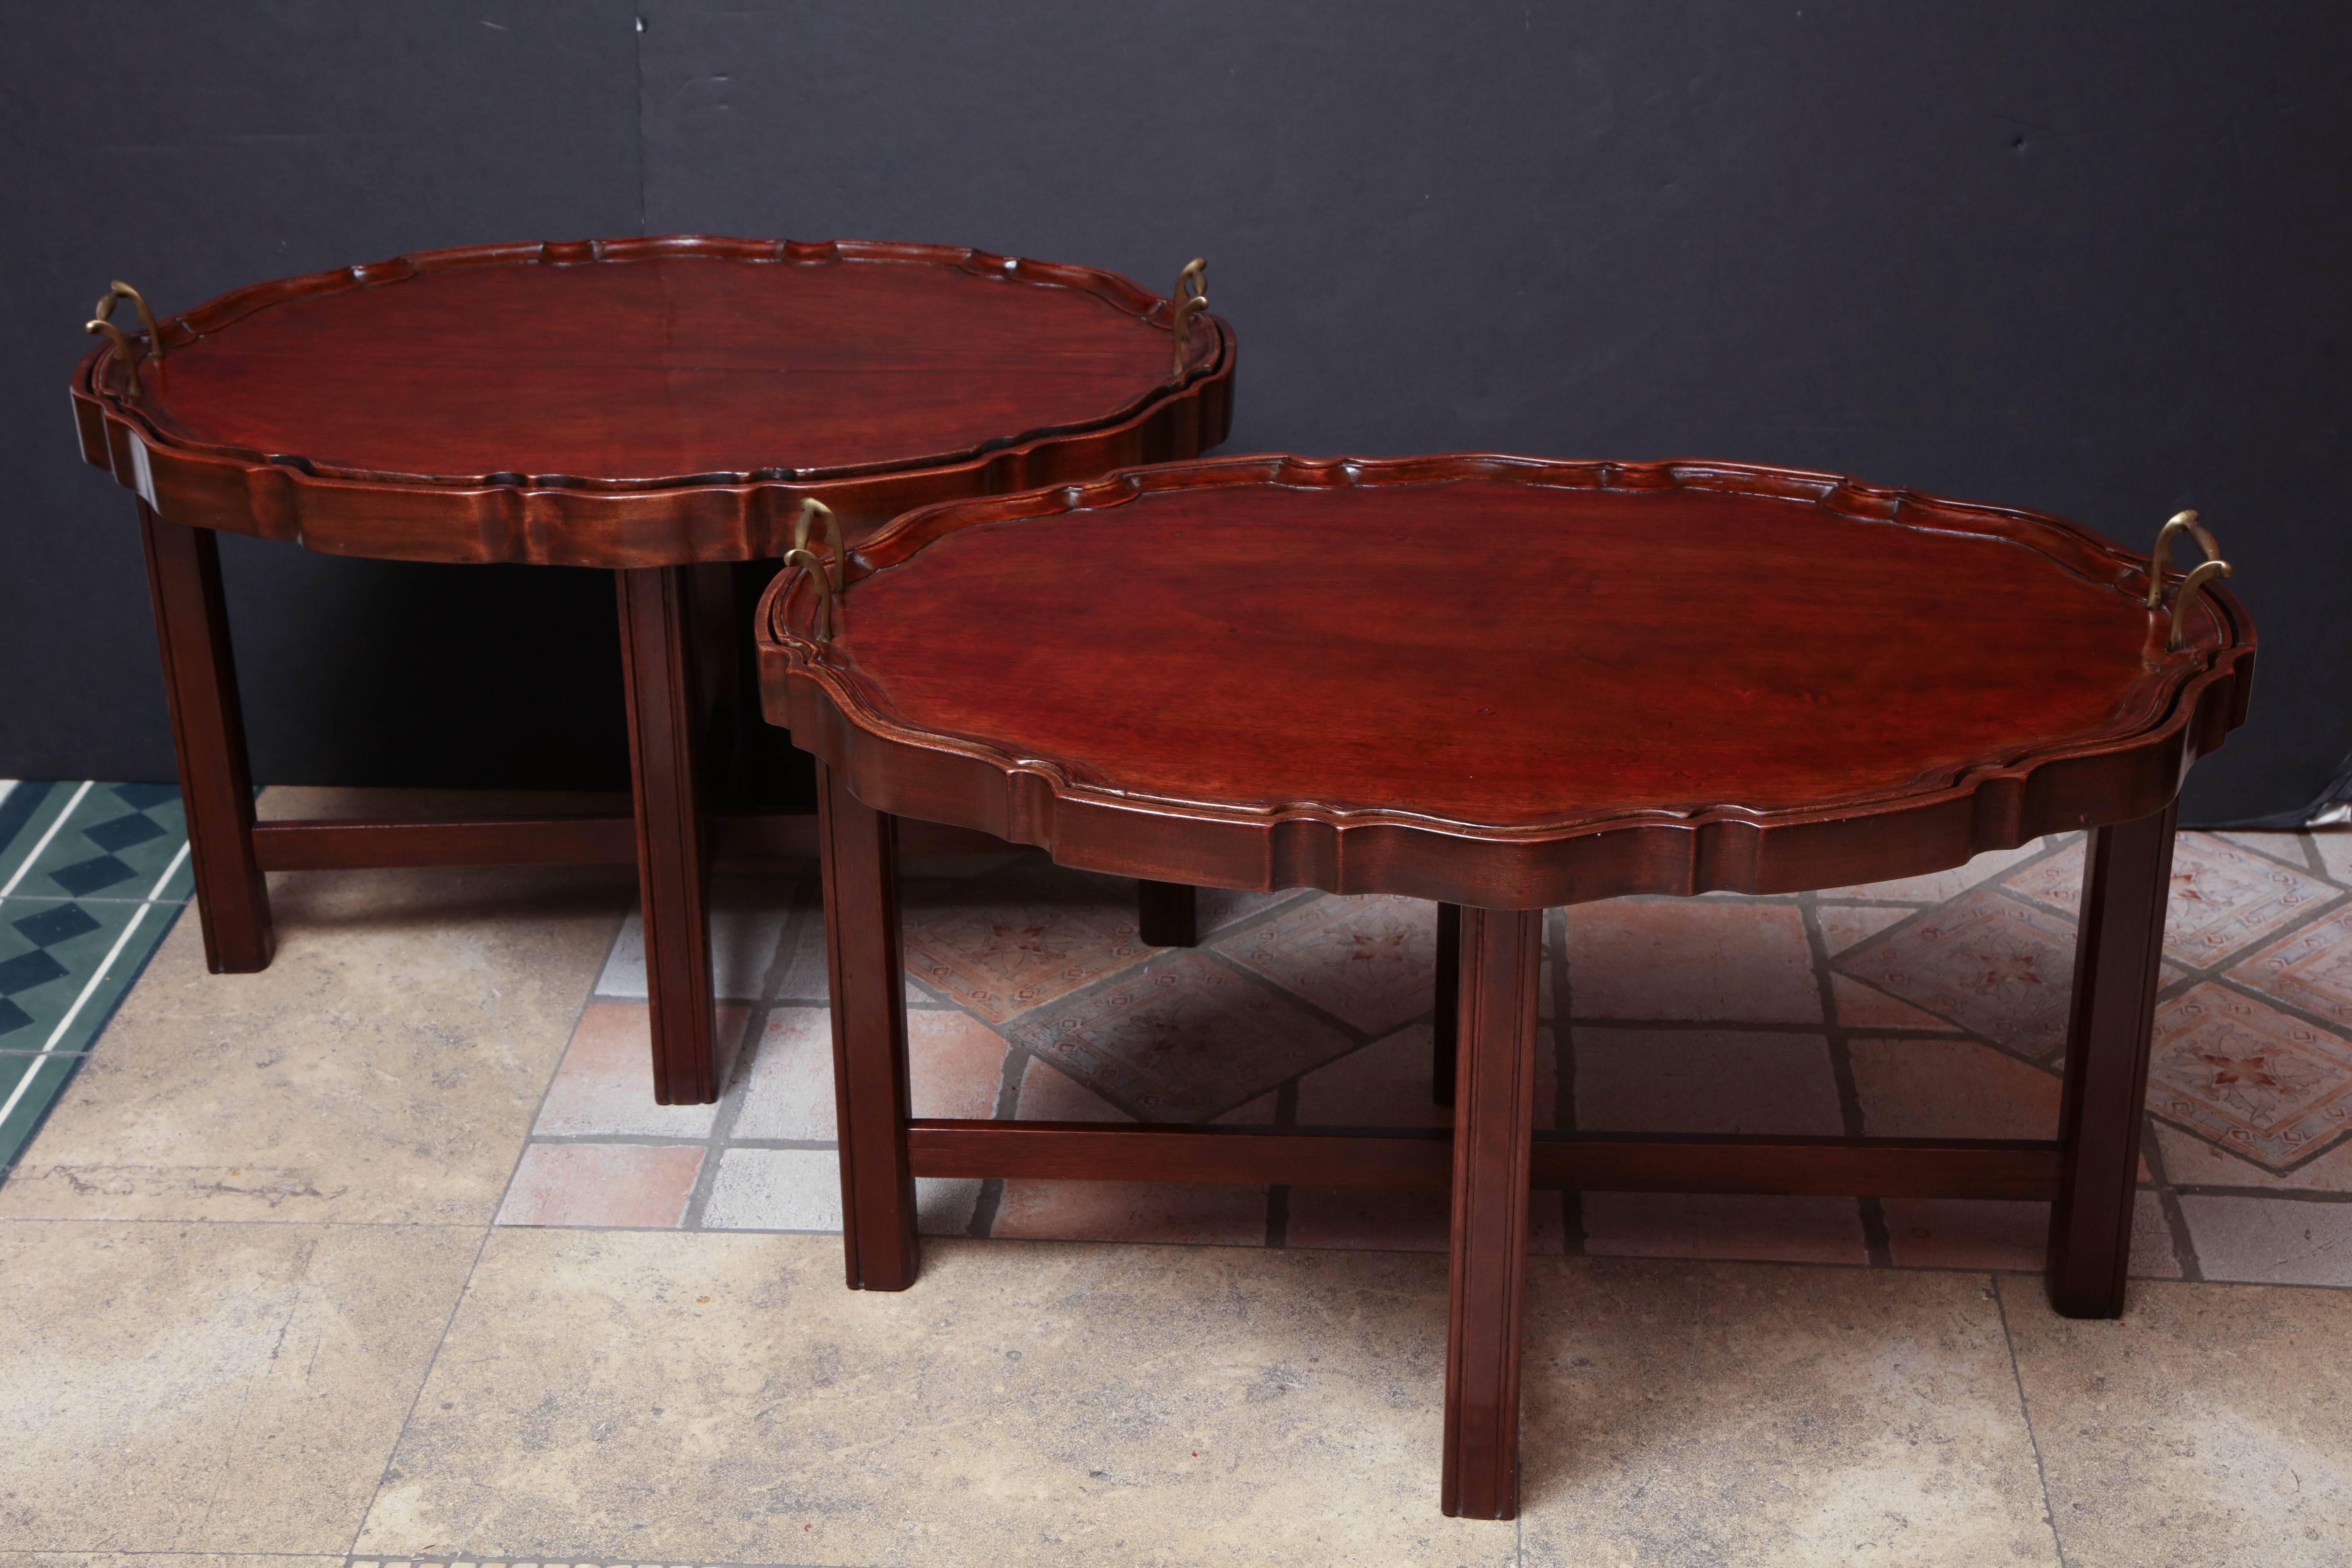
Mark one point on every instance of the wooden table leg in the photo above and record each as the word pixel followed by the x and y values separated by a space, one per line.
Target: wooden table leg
pixel 2118 960
pixel 1167 914
pixel 208 737
pixel 1445 1024
pixel 1494 1130
pixel 868 989
pixel 666 717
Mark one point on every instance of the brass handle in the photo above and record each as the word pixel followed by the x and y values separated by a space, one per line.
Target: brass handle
pixel 102 323
pixel 1192 299
pixel 2160 559
pixel 809 561
pixel 812 509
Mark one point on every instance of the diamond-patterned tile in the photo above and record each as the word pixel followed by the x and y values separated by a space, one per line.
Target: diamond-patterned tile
pixel 1371 961
pixel 2224 898
pixel 1181 1040
pixel 2311 969
pixel 2268 1085
pixel 50 952
pixel 113 843
pixel 1995 965
pixel 1734 960
pixel 1004 944
pixel 1936 886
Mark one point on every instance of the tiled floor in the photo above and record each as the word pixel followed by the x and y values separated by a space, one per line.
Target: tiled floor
pixel 91 876
pixel 390 1246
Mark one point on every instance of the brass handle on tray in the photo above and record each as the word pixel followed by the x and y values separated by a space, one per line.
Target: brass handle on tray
pixel 830 576
pixel 102 323
pixel 1192 299
pixel 810 562
pixel 2160 558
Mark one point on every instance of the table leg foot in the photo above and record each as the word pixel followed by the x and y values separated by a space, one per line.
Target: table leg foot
pixel 1445 1024
pixel 208 736
pixel 1167 914
pixel 869 988
pixel 2118 959
pixel 1494 1123
pixel 658 670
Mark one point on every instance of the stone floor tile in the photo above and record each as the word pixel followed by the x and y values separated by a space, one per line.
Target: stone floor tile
pixel 801 959
pixel 222 1387
pixel 179 1560
pixel 1986 1233
pixel 1995 965
pixel 2224 898
pixel 788 1082
pixel 1950 1089
pixel 1719 1080
pixel 746 922
pixel 2310 968
pixel 602 1183
pixel 1723 1225
pixel 2271 1240
pixel 1387 1084
pixel 1860 1007
pixel 1726 1414
pixel 1843 925
pixel 1203 1214
pixel 2193 1162
pixel 2333 846
pixel 606 1083
pixel 1940 887
pixel 1381 1219
pixel 722 1399
pixel 2205 1426
pixel 1013 941
pixel 776 1189
pixel 384 1068
pixel 1691 958
pixel 2264 1082
pixel 1370 961
pixel 1184 1038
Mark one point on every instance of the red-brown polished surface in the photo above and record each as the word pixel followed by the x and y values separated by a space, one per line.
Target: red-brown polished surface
pixel 1507 649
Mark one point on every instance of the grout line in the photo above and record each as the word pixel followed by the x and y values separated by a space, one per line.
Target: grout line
pixel 2025 1413
pixel 2168 1202
pixel 1870 1211
pixel 42 843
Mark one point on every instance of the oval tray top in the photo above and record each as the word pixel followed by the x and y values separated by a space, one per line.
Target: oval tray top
pixel 642 402
pixel 1498 681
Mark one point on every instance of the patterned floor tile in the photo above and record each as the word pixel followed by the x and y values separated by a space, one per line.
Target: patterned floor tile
pixel 1387 1084
pixel 2224 898
pixel 1939 886
pixel 1181 1039
pixel 2268 1085
pixel 607 1082
pixel 1950 1089
pixel 1844 925
pixel 98 841
pixel 2190 1160
pixel 2310 968
pixel 1004 944
pixel 2333 847
pixel 1048 1094
pixel 2269 1241
pixel 1695 959
pixel 1697 1224
pixel 1712 1081
pixel 643 1184
pixel 1371 961
pixel 1860 1007
pixel 1995 965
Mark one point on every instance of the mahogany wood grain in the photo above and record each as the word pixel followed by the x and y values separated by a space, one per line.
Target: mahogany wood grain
pixel 1167 914
pixel 1502 681
pixel 2118 963
pixel 1494 1124
pixel 644 401
pixel 863 968
pixel 208 739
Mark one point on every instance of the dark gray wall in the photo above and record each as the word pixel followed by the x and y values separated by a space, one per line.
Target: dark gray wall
pixel 2086 259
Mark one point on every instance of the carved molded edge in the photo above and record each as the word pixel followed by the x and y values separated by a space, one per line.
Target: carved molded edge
pixel 558 520
pixel 1994 803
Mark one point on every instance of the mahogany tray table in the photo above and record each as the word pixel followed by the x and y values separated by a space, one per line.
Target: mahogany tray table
pixel 654 406
pixel 1503 684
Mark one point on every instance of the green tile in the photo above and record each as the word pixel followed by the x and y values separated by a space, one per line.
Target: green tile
pixel 116 841
pixel 52 954
pixel 33 1083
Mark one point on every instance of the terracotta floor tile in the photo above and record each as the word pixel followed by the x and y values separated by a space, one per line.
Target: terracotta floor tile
pixel 1860 1007
pixel 1691 958
pixel 1375 1219
pixel 641 1184
pixel 1950 1089
pixel 2224 898
pixel 2267 1084
pixel 2192 1162
pixel 1002 944
pixel 606 1083
pixel 955 1064
pixel 1048 1094
pixel 1843 925
pixel 1995 965
pixel 1181 1039
pixel 1701 1225
pixel 788 1089
pixel 1209 1214
pixel 2271 1241
pixel 1675 1080
pixel 1977 1233
pixel 1387 1084
pixel 1370 961
pixel 2311 969
pixel 1936 886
